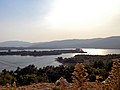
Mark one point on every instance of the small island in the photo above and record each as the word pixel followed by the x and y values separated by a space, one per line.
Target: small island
pixel 40 53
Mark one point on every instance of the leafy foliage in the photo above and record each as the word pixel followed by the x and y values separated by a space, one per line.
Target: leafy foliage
pixel 111 83
pixel 30 74
pixel 97 71
pixel 7 77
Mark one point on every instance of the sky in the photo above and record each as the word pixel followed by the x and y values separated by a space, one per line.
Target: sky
pixel 47 20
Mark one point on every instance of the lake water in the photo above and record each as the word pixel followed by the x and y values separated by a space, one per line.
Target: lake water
pixel 12 62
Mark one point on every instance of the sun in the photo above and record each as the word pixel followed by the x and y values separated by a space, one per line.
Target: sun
pixel 72 13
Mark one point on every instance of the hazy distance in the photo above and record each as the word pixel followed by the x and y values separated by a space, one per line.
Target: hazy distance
pixel 47 20
pixel 107 43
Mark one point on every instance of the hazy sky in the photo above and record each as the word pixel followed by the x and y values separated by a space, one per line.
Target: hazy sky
pixel 46 20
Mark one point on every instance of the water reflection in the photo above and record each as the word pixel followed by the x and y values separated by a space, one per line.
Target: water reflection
pixel 11 62
pixel 95 51
pixel 101 51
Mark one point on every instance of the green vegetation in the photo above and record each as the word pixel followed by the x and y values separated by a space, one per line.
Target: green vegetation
pixel 31 74
pixel 7 77
pixel 87 59
pixel 112 82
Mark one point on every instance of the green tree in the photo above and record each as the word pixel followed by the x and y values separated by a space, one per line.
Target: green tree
pixel 6 77
pixel 100 64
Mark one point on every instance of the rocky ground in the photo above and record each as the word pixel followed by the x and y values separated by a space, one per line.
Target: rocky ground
pixel 50 86
pixel 39 86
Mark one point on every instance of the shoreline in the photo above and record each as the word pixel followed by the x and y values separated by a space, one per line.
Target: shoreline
pixel 86 59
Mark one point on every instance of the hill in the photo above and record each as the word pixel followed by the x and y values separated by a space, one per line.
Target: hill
pixel 15 44
pixel 109 42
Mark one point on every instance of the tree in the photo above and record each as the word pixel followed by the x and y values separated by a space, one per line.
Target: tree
pixel 95 64
pixel 100 64
pixel 79 75
pixel 6 77
pixel 113 81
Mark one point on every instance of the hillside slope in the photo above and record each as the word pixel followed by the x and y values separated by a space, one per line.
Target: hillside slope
pixel 110 42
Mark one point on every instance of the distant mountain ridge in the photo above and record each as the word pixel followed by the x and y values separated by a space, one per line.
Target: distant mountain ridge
pixel 109 42
pixel 15 44
pixel 72 43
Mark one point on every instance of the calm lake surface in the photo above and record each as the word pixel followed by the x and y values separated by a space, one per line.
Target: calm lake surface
pixel 12 62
